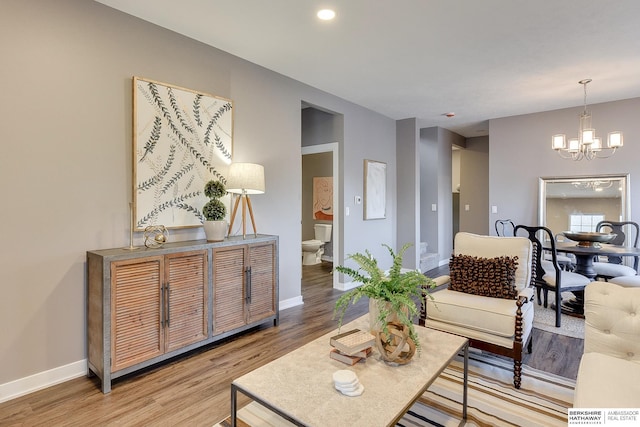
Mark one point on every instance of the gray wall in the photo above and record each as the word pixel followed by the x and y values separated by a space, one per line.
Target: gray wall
pixel 408 189
pixel 520 153
pixel 436 170
pixel 429 231
pixel 474 186
pixel 321 127
pixel 65 172
pixel 446 140
pixel 455 171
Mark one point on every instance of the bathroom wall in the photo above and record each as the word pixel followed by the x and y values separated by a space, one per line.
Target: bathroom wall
pixel 314 165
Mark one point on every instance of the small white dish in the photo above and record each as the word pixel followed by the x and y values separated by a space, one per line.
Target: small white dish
pixel 354 393
pixel 344 376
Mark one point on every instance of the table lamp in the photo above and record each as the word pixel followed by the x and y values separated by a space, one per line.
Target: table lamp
pixel 244 179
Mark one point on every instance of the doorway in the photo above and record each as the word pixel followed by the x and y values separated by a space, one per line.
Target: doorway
pixel 332 253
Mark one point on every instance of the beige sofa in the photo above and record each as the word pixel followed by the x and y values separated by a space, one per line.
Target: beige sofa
pixel 609 372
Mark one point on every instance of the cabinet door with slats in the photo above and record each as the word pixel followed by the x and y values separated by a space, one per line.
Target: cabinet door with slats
pixel 186 298
pixel 228 289
pixel 262 262
pixel 136 316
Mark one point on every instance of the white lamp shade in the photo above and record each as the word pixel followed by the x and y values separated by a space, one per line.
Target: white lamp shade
pixel 588 136
pixel 245 178
pixel 558 142
pixel 615 139
pixel 574 145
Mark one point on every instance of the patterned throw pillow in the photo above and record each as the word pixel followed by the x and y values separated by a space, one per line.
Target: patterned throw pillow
pixel 489 277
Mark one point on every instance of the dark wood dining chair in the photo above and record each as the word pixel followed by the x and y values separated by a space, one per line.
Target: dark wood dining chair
pixel 614 267
pixel 505 227
pixel 547 275
pixel 566 261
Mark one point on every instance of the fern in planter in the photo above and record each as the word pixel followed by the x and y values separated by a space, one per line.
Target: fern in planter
pixel 403 291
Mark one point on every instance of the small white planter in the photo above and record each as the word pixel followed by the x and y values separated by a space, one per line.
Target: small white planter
pixel 215 230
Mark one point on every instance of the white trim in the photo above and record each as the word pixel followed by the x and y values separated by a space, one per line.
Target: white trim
pixel 334 148
pixel 291 302
pixel 41 380
pixel 348 286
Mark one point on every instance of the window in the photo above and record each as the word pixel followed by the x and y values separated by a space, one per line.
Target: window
pixel 584 222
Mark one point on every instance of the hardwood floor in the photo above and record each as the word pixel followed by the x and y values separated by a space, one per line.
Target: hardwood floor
pixel 194 390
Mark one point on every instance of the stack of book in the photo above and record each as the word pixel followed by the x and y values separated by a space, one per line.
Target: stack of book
pixel 352 346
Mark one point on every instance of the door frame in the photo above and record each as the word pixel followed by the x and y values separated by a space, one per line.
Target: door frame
pixel 334 148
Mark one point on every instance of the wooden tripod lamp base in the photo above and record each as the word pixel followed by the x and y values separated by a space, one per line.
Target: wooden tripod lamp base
pixel 246 201
pixel 244 179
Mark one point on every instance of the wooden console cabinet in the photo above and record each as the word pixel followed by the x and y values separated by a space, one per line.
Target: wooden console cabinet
pixel 147 305
pixel 246 268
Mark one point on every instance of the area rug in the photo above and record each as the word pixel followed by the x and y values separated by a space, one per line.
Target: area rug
pixel 545 319
pixel 542 400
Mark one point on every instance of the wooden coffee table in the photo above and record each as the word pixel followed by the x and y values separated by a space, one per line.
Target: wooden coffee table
pixel 299 386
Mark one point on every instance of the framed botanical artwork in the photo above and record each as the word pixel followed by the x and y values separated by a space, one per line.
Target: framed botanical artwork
pixel 181 139
pixel 375 189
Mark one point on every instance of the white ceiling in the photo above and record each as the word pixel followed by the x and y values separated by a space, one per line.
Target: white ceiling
pixel 481 59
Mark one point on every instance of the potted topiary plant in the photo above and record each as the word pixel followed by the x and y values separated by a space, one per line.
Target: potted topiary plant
pixel 393 295
pixel 214 211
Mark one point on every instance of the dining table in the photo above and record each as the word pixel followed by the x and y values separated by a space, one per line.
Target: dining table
pixel 585 256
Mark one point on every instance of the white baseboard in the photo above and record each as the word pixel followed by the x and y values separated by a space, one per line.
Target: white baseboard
pixel 41 380
pixel 35 382
pixel 291 302
pixel 347 286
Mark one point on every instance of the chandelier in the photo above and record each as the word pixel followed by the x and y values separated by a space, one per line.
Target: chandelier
pixel 596 184
pixel 586 145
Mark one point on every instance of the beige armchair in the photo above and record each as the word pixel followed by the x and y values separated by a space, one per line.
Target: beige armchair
pixel 500 325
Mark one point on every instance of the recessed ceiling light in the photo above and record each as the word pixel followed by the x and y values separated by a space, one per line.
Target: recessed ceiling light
pixel 326 14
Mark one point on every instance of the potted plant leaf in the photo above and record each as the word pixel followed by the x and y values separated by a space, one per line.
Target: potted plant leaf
pixel 394 293
pixel 214 211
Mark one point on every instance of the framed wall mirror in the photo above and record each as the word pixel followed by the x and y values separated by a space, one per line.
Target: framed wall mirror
pixel 578 203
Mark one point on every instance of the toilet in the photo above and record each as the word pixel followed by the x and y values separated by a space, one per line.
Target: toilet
pixel 312 250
